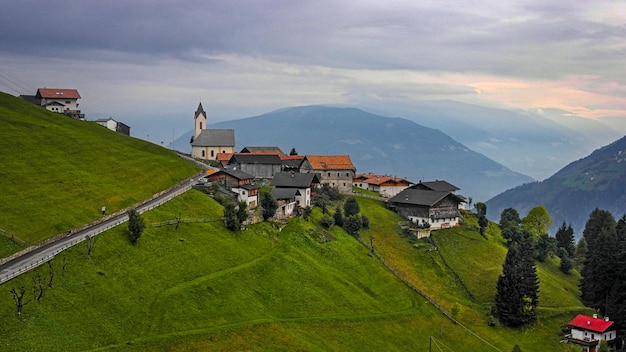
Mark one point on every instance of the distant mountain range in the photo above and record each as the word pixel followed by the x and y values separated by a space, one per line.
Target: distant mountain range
pixel 379 144
pixel 599 180
pixel 536 144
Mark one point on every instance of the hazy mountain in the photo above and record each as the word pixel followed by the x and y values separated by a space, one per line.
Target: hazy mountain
pixel 598 180
pixel 537 144
pixel 378 144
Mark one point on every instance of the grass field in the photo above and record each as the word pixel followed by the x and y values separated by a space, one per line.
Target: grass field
pixel 57 173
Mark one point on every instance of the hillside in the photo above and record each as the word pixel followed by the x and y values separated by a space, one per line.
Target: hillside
pixel 202 287
pixel 378 144
pixel 57 173
pixel 596 181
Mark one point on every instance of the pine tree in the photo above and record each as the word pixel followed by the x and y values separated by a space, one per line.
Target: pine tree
pixel 510 224
pixel 616 304
pixel 517 290
pixel 565 239
pixel 351 207
pixel 135 225
pixel 338 216
pixel 599 267
pixel 268 205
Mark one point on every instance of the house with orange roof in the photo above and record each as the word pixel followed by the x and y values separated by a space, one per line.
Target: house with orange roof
pixel 385 185
pixel 335 170
pixel 587 332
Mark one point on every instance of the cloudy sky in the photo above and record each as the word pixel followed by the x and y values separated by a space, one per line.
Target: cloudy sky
pixel 149 63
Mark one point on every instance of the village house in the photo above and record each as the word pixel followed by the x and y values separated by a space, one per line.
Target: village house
pixel 291 162
pixel 587 332
pixel 428 208
pixel 260 166
pixel 262 150
pixel 60 100
pixel 113 125
pixel 335 170
pixel 238 182
pixel 207 143
pixel 293 190
pixel 386 186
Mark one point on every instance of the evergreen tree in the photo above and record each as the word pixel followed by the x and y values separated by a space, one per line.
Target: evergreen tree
pixel 351 207
pixel 230 217
pixel 242 212
pixel 616 304
pixel 599 269
pixel 510 224
pixel 338 216
pixel 353 225
pixel 135 225
pixel 581 253
pixel 546 246
pixel 565 239
pixel 268 205
pixel 517 289
pixel 566 262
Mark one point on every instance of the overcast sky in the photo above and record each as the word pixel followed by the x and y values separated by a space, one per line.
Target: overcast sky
pixel 149 63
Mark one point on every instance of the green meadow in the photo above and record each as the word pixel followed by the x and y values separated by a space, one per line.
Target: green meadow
pixel 200 287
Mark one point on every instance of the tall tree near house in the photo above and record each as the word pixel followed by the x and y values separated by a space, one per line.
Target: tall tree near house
pixel 481 212
pixel 135 225
pixel 293 151
pixel 616 304
pixel 230 217
pixel 242 211
pixel 353 225
pixel 537 221
pixel 517 289
pixel 268 205
pixel 510 225
pixel 351 207
pixel 598 269
pixel 565 239
pixel 338 216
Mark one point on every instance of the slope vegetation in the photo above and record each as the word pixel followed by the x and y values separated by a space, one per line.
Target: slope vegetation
pixel 57 173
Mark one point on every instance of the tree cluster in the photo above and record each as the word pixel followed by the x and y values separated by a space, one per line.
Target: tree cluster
pixel 269 205
pixel 603 283
pixel 235 215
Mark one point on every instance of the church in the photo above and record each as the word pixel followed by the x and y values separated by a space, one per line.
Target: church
pixel 207 143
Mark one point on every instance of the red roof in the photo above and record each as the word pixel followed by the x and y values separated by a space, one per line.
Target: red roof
pixel 57 93
pixel 291 157
pixel 330 162
pixel 584 322
pixel 375 179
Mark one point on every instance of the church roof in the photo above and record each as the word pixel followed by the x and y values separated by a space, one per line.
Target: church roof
pixel 200 110
pixel 215 138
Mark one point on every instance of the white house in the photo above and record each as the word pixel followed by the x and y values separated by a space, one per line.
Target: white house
pixel 61 100
pixel 295 185
pixel 587 332
pixel 113 125
pixel 385 185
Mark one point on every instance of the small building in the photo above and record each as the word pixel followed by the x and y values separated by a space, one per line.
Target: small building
pixel 386 186
pixel 335 170
pixel 208 143
pixel 291 162
pixel 113 125
pixel 433 209
pixel 587 332
pixel 437 185
pixel 240 183
pixel 59 100
pixel 260 166
pixel 300 186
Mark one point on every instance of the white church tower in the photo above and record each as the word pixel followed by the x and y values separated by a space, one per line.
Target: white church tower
pixel 200 121
pixel 208 143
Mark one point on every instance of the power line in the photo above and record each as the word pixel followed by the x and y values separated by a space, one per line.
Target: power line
pixel 6 77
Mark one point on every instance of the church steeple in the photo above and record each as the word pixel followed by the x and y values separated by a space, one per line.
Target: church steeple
pixel 200 121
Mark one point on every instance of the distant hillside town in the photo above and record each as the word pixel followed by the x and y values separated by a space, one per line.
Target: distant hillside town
pixel 65 101
pixel 295 178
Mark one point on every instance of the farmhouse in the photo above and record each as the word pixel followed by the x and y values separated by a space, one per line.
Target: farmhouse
pixel 425 207
pixel 386 186
pixel 260 166
pixel 587 332
pixel 335 170
pixel 207 143
pixel 292 191
pixel 60 100
pixel 238 182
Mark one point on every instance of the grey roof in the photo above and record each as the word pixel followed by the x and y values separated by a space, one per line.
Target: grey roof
pixel 238 174
pixel 294 179
pixel 421 197
pixel 246 158
pixel 436 185
pixel 284 193
pixel 249 186
pixel 200 110
pixel 266 149
pixel 215 138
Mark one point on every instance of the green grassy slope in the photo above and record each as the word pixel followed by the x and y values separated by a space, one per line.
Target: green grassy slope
pixel 57 173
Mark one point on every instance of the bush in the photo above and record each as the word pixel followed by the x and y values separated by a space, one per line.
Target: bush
pixel 327 221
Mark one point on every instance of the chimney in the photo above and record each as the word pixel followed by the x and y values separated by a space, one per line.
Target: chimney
pixel 606 319
pixel 588 322
pixel 595 316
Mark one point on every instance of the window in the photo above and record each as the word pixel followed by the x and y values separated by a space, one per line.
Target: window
pixel 329 174
pixel 200 124
pixel 212 153
pixel 67 102
pixel 203 154
pixel 347 174
pixel 337 175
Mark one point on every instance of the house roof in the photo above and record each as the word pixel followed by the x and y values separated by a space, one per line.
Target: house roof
pixel 263 150
pixel 291 161
pixel 294 179
pixel 237 174
pixel 590 323
pixel 284 193
pixel 224 156
pixel 374 179
pixel 215 138
pixel 330 162
pixel 246 158
pixel 421 197
pixel 57 93
pixel 436 185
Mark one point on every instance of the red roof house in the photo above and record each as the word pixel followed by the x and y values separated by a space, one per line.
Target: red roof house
pixel 587 332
